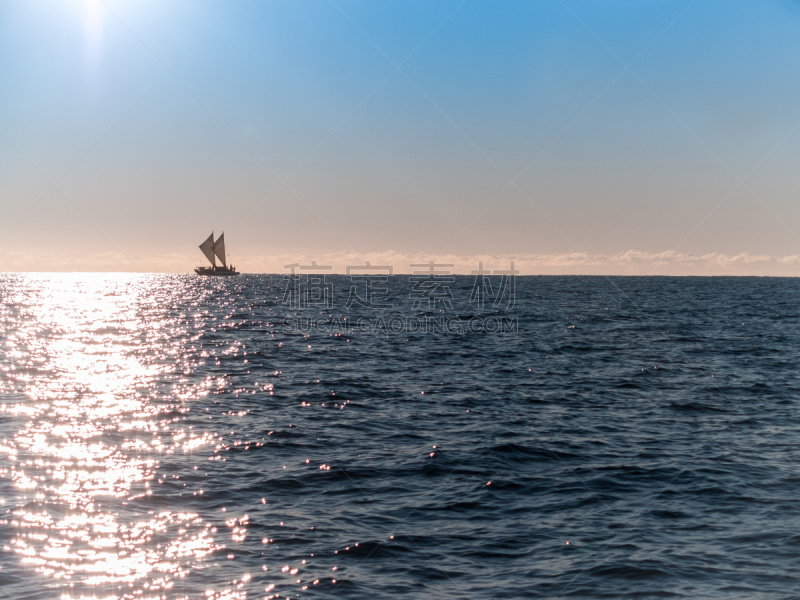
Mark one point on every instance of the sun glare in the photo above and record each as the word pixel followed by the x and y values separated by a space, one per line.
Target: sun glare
pixel 93 17
pixel 93 440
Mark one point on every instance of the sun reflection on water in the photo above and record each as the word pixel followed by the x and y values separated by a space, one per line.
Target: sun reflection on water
pixel 81 372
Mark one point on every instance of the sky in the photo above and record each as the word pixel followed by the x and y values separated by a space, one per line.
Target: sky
pixel 574 136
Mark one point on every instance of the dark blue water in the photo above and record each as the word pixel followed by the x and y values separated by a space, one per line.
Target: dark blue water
pixel 181 437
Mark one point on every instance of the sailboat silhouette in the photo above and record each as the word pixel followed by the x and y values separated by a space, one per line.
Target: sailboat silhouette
pixel 214 250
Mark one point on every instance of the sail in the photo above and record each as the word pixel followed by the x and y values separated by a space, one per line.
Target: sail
pixel 208 249
pixel 219 249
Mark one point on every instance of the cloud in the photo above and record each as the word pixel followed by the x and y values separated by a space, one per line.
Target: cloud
pixel 630 262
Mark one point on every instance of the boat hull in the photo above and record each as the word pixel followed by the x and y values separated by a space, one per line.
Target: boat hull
pixel 215 271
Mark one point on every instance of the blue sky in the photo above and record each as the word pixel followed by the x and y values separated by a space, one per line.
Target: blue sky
pixel 510 130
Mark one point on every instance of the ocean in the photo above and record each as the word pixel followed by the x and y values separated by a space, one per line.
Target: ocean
pixel 172 436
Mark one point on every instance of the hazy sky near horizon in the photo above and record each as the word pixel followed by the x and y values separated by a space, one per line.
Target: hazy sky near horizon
pixel 346 131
